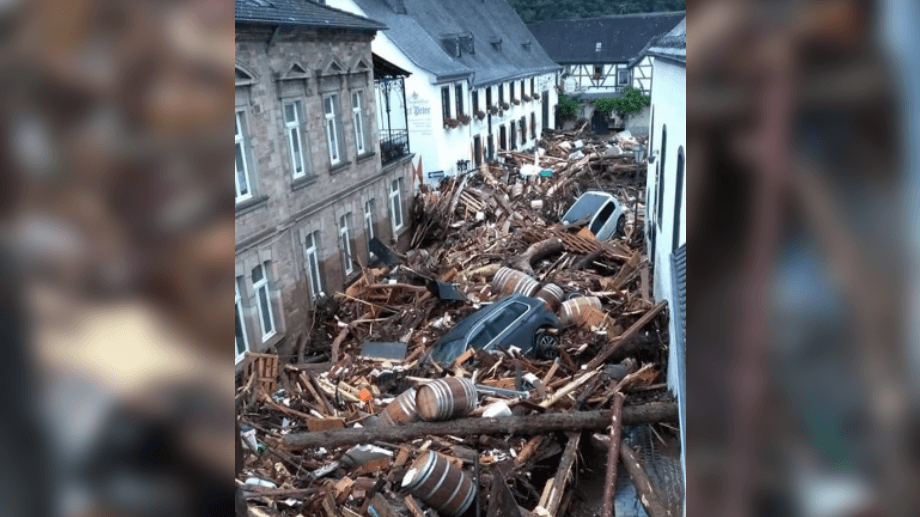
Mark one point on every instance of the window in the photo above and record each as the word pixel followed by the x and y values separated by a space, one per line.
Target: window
pixel 458 91
pixel 242 344
pixel 481 337
pixel 522 89
pixel 661 170
pixel 501 94
pixel 533 125
pixel 504 318
pixel 489 97
pixel 243 190
pixel 370 223
pixel 332 128
pixel 598 71
pixel 597 48
pixel 475 101
pixel 513 138
pixel 477 150
pixel 678 192
pixel 396 203
pixel 292 118
pixel 445 102
pixel 511 90
pixel 260 286
pixel 623 76
pixel 345 243
pixel 532 89
pixel 522 127
pixel 311 246
pixel 502 138
pixel 357 109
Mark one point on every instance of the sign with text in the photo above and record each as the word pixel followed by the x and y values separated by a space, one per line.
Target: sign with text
pixel 419 114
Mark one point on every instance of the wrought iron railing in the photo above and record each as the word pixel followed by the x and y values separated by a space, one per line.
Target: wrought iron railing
pixel 394 144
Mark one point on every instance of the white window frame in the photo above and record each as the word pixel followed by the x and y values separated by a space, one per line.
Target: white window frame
pixel 332 131
pixel 369 213
pixel 345 237
pixel 240 140
pixel 260 288
pixel 357 109
pixel 238 301
pixel 293 132
pixel 624 73
pixel 396 204
pixel 311 252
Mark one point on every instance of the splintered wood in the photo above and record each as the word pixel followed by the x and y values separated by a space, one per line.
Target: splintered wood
pixel 348 428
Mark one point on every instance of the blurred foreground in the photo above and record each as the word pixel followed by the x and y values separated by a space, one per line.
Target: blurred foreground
pixel 803 213
pixel 116 246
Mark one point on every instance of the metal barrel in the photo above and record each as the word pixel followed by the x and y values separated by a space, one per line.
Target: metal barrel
pixel 508 281
pixel 551 294
pixel 441 485
pixel 573 311
pixel 446 398
pixel 402 410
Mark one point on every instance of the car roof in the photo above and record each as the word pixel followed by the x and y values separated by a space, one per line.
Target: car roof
pixel 463 326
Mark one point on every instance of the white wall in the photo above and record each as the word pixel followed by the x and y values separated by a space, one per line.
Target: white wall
pixel 669 106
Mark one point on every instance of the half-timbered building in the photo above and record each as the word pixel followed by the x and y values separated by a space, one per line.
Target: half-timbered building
pixel 602 56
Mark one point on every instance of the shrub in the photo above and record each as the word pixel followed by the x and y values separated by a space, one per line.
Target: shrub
pixel 632 101
pixel 567 106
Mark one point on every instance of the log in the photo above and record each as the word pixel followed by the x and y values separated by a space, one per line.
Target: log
pixel 562 473
pixel 536 251
pixel 523 425
pixel 613 456
pixel 622 338
pixel 643 484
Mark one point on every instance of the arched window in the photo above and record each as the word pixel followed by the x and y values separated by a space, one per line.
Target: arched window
pixel 661 172
pixel 678 197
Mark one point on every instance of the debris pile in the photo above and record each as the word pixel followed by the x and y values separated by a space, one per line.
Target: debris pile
pixel 457 378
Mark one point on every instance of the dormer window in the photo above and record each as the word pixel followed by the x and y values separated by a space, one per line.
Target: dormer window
pixel 496 43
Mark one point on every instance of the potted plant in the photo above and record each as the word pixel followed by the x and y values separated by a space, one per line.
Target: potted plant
pixel 451 122
pixel 516 102
pixel 493 110
pixel 480 114
pixel 526 98
pixel 536 96
pixel 506 106
pixel 465 119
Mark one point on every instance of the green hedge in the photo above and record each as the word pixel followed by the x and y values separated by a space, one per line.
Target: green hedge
pixel 632 101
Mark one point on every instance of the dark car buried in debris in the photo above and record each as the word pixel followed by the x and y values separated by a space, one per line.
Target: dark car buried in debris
pixel 516 320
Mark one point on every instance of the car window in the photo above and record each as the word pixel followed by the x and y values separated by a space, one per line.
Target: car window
pixel 584 208
pixel 481 336
pixel 602 217
pixel 500 321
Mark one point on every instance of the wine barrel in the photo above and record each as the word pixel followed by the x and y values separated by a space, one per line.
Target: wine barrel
pixel 446 398
pixel 441 485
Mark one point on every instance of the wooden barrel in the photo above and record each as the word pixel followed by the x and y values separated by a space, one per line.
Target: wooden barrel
pixel 446 398
pixel 551 294
pixel 508 281
pixel 572 311
pixel 441 485
pixel 401 410
pixel 517 190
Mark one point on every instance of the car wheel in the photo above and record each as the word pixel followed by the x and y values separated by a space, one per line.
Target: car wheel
pixel 545 343
pixel 621 224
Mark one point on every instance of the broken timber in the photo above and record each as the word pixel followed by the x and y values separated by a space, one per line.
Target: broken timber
pixel 531 424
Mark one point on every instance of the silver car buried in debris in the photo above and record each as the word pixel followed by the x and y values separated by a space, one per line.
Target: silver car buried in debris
pixel 606 216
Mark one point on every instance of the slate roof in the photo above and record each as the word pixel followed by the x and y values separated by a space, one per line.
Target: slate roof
pixel 419 32
pixel 672 45
pixel 622 37
pixel 301 13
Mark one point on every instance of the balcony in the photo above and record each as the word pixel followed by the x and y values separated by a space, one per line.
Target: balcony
pixel 394 144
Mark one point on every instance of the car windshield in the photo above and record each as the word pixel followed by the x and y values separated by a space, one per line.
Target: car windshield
pixel 602 217
pixel 584 208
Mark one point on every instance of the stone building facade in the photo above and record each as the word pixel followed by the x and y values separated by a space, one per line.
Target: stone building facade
pixel 310 186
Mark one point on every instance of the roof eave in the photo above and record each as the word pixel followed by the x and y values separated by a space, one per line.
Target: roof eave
pixel 379 27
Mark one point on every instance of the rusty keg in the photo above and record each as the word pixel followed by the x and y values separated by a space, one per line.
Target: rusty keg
pixel 508 281
pixel 551 294
pixel 441 485
pixel 573 311
pixel 401 410
pixel 446 398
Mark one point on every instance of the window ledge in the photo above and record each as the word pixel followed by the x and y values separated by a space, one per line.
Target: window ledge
pixel 251 204
pixel 341 166
pixel 305 181
pixel 364 157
